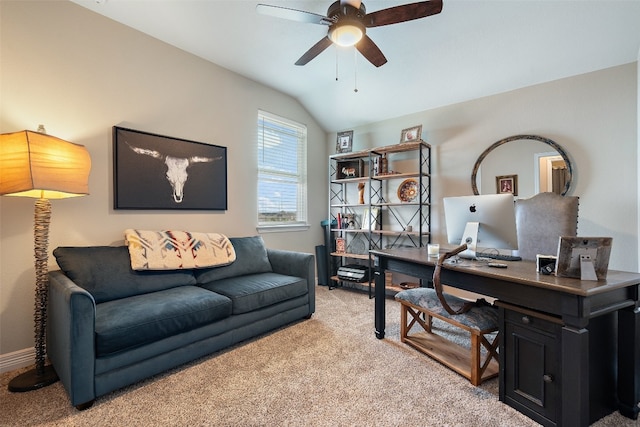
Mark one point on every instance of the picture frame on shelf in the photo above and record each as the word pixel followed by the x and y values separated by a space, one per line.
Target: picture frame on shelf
pixel 349 169
pixel 370 219
pixel 507 184
pixel 341 246
pixel 344 142
pixel 411 134
pixel 375 165
pixel 350 221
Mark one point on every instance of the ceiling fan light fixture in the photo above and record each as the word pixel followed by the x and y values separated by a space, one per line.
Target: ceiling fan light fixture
pixel 346 34
pixel 348 22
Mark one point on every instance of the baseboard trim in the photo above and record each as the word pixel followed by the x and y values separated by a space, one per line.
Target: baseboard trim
pixel 17 359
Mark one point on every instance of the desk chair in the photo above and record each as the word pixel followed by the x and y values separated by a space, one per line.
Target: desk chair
pixel 541 220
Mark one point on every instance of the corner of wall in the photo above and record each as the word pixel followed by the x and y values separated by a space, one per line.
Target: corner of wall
pixel 638 144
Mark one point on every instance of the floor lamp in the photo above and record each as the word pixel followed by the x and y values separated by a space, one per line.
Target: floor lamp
pixel 34 164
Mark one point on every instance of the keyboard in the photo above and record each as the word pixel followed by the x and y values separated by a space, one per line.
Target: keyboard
pixel 499 257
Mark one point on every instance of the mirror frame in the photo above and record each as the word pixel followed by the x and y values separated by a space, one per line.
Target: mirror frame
pixel 497 144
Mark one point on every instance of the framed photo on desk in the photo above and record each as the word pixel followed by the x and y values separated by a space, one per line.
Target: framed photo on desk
pixel 575 254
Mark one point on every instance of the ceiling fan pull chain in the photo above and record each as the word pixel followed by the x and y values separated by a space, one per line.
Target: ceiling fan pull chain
pixel 355 70
pixel 335 49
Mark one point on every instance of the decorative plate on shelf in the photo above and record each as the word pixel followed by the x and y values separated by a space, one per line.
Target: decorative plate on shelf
pixel 408 190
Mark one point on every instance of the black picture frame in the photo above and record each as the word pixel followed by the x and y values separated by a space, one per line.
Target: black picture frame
pixel 153 171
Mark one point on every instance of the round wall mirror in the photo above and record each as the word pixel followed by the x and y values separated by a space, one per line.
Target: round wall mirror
pixel 523 165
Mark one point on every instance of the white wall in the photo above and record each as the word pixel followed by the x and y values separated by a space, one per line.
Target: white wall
pixel 594 117
pixel 80 74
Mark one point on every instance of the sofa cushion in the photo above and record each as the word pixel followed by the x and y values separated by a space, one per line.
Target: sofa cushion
pixel 105 272
pixel 255 291
pixel 251 258
pixel 131 322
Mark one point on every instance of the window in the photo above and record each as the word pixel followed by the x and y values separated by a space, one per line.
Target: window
pixel 282 172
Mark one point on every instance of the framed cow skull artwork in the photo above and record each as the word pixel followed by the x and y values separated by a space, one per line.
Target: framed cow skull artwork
pixel 159 172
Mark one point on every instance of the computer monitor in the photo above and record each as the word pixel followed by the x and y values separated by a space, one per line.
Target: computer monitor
pixel 482 221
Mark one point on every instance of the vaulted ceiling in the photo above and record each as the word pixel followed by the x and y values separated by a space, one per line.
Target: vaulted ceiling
pixel 473 48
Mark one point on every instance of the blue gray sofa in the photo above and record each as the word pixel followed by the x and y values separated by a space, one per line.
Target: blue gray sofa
pixel 109 326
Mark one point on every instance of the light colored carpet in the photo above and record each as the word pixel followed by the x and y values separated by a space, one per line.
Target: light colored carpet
pixel 326 371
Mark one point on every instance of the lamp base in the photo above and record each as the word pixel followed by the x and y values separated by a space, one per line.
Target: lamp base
pixel 31 380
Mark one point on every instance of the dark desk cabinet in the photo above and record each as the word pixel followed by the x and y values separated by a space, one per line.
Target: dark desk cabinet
pixel 530 379
pixel 570 348
pixel 531 364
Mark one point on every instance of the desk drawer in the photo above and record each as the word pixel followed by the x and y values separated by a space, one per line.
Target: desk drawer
pixel 531 319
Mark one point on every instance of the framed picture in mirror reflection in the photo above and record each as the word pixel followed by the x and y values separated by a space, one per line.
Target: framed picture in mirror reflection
pixel 507 184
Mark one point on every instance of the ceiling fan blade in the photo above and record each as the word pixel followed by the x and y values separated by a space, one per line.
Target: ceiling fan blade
pixel 292 14
pixel 315 50
pixel 371 51
pixel 406 12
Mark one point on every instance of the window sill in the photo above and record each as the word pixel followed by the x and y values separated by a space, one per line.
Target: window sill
pixel 282 228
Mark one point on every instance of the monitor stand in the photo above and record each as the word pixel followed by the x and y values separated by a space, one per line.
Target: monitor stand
pixel 470 238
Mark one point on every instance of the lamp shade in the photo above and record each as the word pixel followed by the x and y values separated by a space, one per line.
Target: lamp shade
pixel 38 165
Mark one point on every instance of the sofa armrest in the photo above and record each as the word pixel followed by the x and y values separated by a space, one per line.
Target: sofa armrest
pixel 70 337
pixel 299 264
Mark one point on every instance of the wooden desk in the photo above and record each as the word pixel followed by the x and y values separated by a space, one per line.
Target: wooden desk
pixel 577 304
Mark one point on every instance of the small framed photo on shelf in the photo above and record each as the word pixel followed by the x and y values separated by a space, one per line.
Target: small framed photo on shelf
pixel 350 221
pixel 411 134
pixel 341 245
pixel 344 142
pixel 370 219
pixel 507 184
pixel 349 169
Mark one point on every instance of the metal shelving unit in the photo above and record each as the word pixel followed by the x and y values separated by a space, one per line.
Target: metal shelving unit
pixel 400 199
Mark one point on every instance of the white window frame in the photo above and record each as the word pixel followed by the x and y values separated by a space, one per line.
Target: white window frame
pixel 298 131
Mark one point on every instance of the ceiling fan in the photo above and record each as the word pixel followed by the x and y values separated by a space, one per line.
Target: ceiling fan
pixel 348 21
